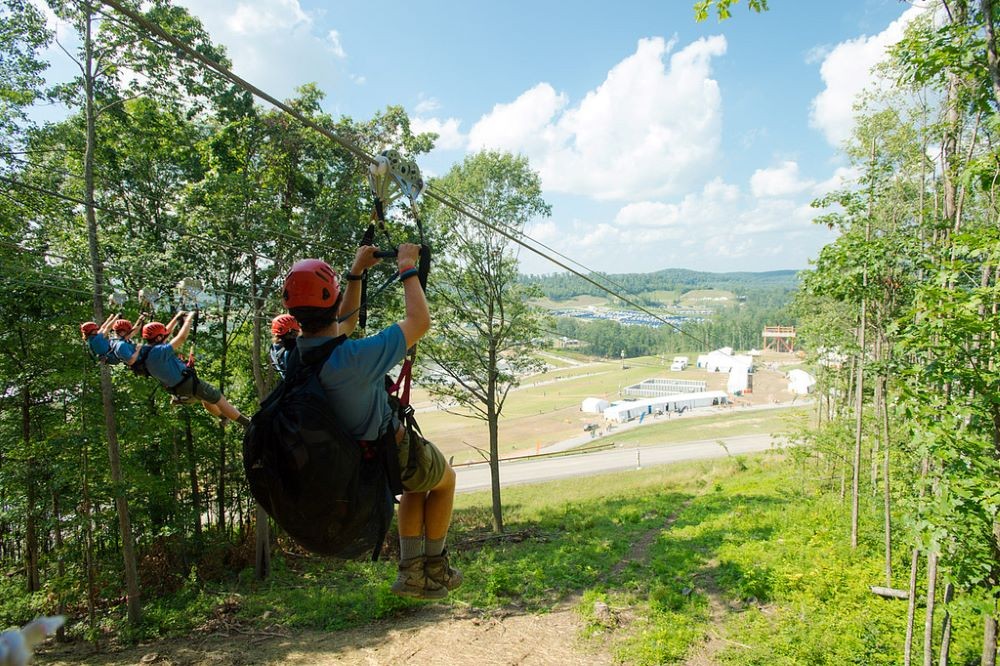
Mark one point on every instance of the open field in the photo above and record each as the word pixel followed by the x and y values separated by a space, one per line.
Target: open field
pixel 662 295
pixel 546 408
pixel 697 297
pixel 575 302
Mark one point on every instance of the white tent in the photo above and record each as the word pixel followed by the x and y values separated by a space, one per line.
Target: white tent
pixel 739 379
pixel 594 405
pixel 800 382
pixel 620 412
pixel 723 360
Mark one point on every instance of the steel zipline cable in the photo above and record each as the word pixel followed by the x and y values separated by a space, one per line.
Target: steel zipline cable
pixel 442 197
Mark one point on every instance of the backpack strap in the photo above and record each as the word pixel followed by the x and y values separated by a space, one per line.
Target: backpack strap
pixel 300 361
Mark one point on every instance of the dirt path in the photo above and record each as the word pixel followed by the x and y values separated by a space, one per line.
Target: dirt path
pixel 433 634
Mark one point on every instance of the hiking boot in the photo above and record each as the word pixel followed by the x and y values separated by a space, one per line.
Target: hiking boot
pixel 413 582
pixel 440 572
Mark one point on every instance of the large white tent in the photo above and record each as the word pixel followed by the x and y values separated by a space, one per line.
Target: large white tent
pixel 800 382
pixel 594 405
pixel 620 412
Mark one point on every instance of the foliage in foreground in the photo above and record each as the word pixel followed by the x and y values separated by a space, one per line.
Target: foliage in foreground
pixel 757 563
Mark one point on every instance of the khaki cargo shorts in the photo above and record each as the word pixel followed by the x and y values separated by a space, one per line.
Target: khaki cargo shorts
pixel 428 462
pixel 192 387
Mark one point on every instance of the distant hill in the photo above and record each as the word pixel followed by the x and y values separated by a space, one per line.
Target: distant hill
pixel 563 286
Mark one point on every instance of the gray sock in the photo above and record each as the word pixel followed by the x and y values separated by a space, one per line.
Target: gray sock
pixel 435 546
pixel 410 547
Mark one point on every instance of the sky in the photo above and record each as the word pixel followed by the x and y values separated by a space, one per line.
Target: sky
pixel 660 142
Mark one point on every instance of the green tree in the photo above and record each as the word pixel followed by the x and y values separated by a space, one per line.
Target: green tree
pixel 484 328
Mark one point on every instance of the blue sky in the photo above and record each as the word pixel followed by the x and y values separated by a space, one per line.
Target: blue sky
pixel 661 142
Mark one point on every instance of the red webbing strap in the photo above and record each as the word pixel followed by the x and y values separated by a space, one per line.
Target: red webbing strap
pixel 403 381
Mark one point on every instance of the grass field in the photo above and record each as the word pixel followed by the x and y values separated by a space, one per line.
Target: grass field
pixel 575 302
pixel 701 297
pixel 545 409
pixel 741 561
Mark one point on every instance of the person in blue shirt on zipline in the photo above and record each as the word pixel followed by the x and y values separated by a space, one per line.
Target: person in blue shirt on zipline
pixel 96 338
pixel 158 359
pixel 285 329
pixel 122 347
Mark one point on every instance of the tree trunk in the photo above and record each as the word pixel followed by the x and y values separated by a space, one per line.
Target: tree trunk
pixel 97 265
pixel 886 488
pixel 911 609
pixel 859 422
pixel 949 592
pixel 990 639
pixel 932 563
pixel 60 562
pixel 860 382
pixel 192 473
pixel 262 526
pixel 491 388
pixel 992 60
pixel 88 527
pixel 32 579
pixel 221 486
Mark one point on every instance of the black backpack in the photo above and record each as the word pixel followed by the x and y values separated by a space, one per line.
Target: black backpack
pixel 139 365
pixel 332 495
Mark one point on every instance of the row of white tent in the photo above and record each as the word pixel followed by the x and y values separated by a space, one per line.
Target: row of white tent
pixel 626 410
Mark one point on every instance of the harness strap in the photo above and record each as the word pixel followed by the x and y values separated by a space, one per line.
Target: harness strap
pixel 403 381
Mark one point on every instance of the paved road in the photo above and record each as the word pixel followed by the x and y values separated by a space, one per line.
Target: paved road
pixel 512 472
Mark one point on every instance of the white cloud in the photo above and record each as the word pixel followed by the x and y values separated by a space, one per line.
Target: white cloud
pixel 648 214
pixel 450 136
pixel 426 105
pixel 778 182
pixel 335 46
pixel 846 72
pixel 261 17
pixel 648 130
pixel 275 44
pixel 721 227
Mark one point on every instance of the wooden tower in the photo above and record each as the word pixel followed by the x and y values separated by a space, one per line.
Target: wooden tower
pixel 779 338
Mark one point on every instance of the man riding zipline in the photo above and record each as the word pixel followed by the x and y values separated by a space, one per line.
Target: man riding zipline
pixel 158 359
pixel 353 378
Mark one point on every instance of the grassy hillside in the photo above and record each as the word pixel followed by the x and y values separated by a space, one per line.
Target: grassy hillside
pixel 736 561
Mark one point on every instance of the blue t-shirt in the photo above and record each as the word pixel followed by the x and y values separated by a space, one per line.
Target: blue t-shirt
pixel 122 350
pixel 100 347
pixel 163 365
pixel 353 378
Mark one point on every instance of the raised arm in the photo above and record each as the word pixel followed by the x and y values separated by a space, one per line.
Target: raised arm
pixel 137 326
pixel 364 259
pixel 173 322
pixel 418 317
pixel 178 340
pixel 108 323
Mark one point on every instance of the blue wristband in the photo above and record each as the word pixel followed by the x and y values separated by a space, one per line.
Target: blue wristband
pixel 408 274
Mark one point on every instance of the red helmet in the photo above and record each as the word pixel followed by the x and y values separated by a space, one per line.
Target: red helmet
pixel 284 324
pixel 152 330
pixel 311 283
pixel 122 327
pixel 88 328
